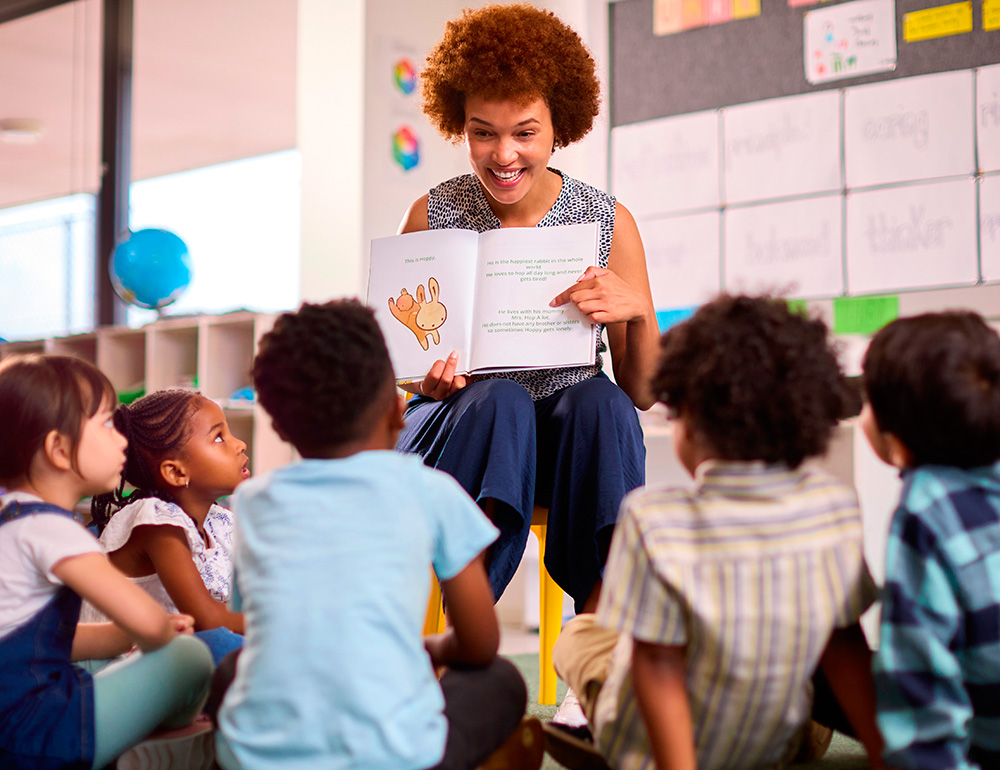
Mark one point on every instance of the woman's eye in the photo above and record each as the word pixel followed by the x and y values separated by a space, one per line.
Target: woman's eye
pixel 219 438
pixel 109 423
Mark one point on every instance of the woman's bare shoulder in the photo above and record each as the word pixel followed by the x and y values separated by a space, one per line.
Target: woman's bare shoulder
pixel 415 218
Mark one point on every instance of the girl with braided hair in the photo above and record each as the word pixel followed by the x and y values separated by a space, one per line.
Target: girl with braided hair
pixel 169 535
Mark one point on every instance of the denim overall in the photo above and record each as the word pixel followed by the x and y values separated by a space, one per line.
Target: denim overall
pixel 46 703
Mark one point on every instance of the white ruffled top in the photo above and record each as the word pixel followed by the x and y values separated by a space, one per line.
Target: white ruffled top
pixel 213 561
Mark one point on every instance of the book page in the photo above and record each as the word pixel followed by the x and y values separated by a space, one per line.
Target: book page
pixel 421 287
pixel 521 270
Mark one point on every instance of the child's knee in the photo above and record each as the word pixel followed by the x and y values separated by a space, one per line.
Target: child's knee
pixel 191 659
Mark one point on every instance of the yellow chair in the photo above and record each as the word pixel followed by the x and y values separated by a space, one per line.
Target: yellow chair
pixel 550 602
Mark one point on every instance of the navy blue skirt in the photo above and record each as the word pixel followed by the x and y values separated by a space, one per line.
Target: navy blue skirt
pixel 577 453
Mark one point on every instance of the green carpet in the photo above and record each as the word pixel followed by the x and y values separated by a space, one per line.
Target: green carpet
pixel 844 753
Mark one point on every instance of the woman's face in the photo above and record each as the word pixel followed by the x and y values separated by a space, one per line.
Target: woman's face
pixel 509 145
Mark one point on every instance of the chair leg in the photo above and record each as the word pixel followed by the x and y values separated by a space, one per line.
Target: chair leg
pixel 550 601
pixel 434 621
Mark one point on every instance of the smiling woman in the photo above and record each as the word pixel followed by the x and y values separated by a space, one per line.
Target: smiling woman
pixel 513 83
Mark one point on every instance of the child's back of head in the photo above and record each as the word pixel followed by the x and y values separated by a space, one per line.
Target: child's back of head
pixel 753 380
pixel 933 382
pixel 323 374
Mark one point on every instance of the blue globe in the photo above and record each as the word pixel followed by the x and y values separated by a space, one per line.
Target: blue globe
pixel 150 268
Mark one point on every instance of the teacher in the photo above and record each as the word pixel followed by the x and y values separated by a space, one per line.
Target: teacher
pixel 514 83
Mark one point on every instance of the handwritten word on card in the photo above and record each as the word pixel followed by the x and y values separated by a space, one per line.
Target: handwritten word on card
pixel 850 39
pixel 912 237
pixel 910 129
pixel 682 257
pixel 988 117
pixel 793 248
pixel 782 147
pixel 989 227
pixel 666 165
pixel 945 20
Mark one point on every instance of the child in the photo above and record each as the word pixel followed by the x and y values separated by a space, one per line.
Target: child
pixel 58 446
pixel 169 535
pixel 933 411
pixel 719 603
pixel 332 571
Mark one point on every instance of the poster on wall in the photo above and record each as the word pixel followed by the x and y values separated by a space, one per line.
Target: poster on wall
pixel 919 236
pixel 849 40
pixel 989 227
pixel 682 258
pixel 988 117
pixel 792 248
pixel 667 165
pixel 403 133
pixel 782 147
pixel 908 130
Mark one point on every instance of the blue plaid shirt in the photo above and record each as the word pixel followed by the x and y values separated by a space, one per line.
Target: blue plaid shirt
pixel 937 670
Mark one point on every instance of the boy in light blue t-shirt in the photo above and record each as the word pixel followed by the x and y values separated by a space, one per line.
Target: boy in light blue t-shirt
pixel 331 572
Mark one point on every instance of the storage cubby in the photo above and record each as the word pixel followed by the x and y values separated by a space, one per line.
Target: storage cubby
pixel 213 353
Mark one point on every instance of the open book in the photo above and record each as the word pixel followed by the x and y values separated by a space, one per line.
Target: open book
pixel 485 295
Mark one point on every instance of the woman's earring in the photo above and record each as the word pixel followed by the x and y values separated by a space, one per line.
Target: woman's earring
pixel 187 483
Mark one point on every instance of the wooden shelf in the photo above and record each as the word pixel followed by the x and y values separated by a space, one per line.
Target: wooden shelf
pixel 211 353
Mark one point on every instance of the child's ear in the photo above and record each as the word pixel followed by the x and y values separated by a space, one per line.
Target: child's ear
pixel 172 472
pixel 899 453
pixel 58 451
pixel 398 423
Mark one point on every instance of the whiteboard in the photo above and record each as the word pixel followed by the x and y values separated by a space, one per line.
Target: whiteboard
pixel 988 117
pixel 792 248
pixel 905 130
pixel 989 227
pixel 667 165
pixel 682 257
pixel 912 237
pixel 782 147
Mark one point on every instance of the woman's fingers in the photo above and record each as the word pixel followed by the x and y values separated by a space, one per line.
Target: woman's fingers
pixel 441 380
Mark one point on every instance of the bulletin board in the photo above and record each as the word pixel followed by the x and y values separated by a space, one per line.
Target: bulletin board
pixel 750 166
pixel 747 60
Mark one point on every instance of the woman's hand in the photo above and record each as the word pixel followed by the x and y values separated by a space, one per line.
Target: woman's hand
pixel 604 297
pixel 441 381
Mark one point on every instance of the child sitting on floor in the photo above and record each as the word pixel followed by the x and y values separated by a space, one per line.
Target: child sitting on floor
pixel 58 446
pixel 170 536
pixel 332 570
pixel 933 411
pixel 721 603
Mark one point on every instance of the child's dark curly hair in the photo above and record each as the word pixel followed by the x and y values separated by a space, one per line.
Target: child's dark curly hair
pixel 321 372
pixel 933 381
pixel 157 427
pixel 511 52
pixel 754 380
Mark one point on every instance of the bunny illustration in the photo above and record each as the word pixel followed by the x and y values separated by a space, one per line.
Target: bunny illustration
pixel 421 317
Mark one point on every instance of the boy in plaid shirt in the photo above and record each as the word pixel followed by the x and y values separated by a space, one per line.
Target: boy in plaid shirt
pixel 933 411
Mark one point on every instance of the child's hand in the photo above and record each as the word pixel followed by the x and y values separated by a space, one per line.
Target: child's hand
pixel 183 624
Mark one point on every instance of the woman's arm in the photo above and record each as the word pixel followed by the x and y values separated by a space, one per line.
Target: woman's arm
pixel 167 549
pixel 619 297
pixel 659 681
pixel 473 636
pixel 93 578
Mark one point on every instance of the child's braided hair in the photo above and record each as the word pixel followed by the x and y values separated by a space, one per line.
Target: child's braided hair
pixel 156 426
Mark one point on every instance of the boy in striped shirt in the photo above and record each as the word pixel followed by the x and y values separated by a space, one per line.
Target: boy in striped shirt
pixel 933 411
pixel 722 602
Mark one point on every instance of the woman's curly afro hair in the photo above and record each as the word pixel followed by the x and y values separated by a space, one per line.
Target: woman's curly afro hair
pixel 754 380
pixel 517 52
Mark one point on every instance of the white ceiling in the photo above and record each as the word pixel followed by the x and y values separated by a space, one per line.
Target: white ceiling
pixel 213 81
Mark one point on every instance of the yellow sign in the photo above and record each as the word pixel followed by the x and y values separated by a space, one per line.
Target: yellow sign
pixel 991 15
pixel 945 20
pixel 745 9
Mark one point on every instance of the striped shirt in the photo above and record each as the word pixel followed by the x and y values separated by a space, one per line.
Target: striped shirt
pixel 751 571
pixel 937 670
